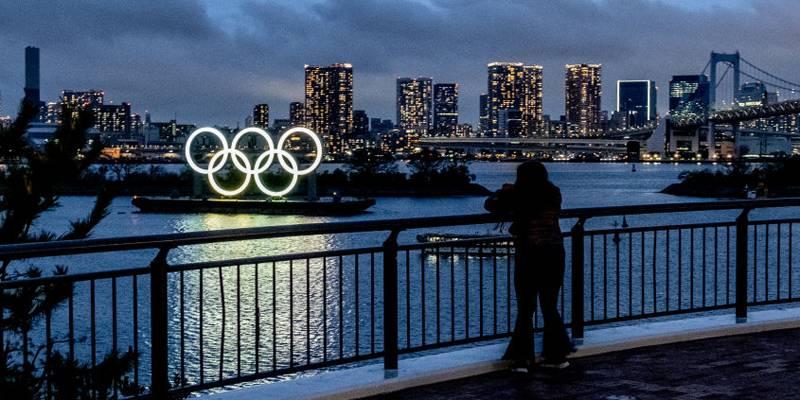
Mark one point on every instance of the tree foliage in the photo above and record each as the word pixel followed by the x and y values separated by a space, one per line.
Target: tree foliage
pixel 30 184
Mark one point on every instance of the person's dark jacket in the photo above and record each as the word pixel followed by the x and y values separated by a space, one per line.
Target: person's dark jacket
pixel 534 212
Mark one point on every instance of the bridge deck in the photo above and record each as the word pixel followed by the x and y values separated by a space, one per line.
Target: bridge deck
pixel 762 365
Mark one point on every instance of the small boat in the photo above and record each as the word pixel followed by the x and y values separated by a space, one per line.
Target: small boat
pixel 485 245
pixel 338 206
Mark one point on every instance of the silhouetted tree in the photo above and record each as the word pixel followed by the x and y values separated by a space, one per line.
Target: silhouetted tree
pixel 30 184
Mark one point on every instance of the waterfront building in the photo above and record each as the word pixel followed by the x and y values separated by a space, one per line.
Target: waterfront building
pixel 172 131
pixel 261 115
pixel 636 103
pixel 379 126
pixel 329 103
pixel 464 130
pixel 483 121
pixel 73 102
pixel 514 86
pixel 414 106
pixel 445 109
pixel 688 95
pixel 279 125
pixel 583 90
pixel 114 118
pixel 360 123
pixel 297 113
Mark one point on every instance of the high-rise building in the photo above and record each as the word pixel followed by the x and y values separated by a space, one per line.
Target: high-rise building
pixel 583 89
pixel 688 95
pixel 76 101
pixel 752 94
pixel 261 115
pixel 483 120
pixel 414 106
pixel 114 118
pixel 32 76
pixel 379 126
pixel 297 113
pixel 445 109
pixel 329 103
pixel 636 102
pixel 514 86
pixel 360 123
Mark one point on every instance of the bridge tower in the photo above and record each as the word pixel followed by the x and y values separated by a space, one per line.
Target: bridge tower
pixel 732 60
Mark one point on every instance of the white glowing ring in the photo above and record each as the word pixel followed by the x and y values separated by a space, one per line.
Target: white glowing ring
pixel 262 163
pixel 282 154
pixel 188 154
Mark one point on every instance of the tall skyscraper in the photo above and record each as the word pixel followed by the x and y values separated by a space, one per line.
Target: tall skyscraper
pixel 636 101
pixel 514 86
pixel 414 105
pixel 329 103
pixel 297 113
pixel 32 76
pixel 483 120
pixel 583 89
pixel 688 95
pixel 445 109
pixel 261 115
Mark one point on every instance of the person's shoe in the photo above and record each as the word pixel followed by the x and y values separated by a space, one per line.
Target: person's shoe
pixel 520 367
pixel 557 364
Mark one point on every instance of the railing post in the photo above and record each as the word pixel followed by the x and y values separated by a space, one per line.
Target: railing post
pixel 159 384
pixel 577 281
pixel 741 266
pixel 390 301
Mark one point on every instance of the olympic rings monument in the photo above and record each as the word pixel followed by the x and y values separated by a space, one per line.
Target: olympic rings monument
pixel 229 155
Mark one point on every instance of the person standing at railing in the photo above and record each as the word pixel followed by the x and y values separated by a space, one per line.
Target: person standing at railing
pixel 534 204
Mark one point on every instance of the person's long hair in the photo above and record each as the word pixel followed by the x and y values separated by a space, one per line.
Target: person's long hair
pixel 531 177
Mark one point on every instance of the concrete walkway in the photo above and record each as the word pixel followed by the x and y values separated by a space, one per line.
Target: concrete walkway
pixel 753 366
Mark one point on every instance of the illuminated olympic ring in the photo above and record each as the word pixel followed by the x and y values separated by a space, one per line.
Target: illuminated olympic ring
pixel 262 163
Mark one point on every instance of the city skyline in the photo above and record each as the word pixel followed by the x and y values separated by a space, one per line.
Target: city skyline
pixel 214 75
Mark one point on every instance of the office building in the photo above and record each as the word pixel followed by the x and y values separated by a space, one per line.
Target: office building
pixel 73 102
pixel 379 126
pixel 636 102
pixel 297 113
pixel 414 107
pixel 445 109
pixel 329 103
pixel 114 118
pixel 688 95
pixel 483 120
pixel 360 123
pixel 583 89
pixel 172 131
pixel 261 115
pixel 514 86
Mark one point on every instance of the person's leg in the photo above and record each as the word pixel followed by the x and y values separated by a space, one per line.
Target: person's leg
pixel 520 348
pixel 556 342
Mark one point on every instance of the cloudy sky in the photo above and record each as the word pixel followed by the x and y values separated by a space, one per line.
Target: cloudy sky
pixel 209 61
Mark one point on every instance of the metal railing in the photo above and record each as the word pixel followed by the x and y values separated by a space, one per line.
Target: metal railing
pixel 207 324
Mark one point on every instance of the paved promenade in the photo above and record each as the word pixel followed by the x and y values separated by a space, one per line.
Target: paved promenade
pixel 755 366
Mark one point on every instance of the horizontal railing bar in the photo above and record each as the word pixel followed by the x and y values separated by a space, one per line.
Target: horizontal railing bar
pixel 64 247
pixel 79 277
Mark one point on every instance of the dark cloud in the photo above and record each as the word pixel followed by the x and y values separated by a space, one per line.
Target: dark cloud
pixel 210 64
